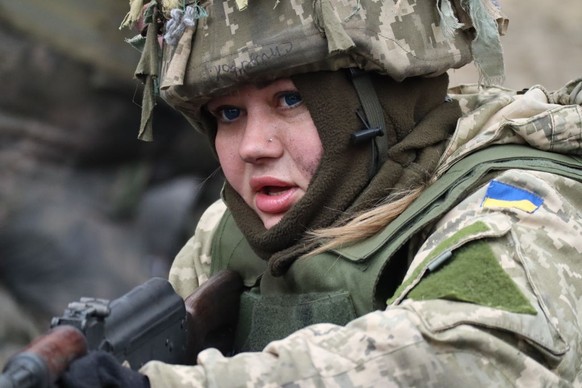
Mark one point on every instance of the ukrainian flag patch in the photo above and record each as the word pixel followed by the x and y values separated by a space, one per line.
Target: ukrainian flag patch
pixel 502 195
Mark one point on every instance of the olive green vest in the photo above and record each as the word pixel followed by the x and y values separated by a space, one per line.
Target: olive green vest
pixel 342 284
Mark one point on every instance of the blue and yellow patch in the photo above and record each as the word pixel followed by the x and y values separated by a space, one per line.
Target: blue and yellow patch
pixel 502 195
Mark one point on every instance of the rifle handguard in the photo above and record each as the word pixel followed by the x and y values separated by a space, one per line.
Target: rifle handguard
pixel 41 363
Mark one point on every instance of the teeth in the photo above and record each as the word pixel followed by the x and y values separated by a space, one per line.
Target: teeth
pixel 274 190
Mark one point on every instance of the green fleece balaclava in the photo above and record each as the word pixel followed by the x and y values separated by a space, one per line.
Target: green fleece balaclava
pixel 418 122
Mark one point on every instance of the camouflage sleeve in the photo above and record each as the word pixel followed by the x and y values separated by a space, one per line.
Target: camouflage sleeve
pixel 191 267
pixel 502 309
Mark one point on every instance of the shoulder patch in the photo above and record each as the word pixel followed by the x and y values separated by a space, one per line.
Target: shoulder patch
pixel 473 275
pixel 502 195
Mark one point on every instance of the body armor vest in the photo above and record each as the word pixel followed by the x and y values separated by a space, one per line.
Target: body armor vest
pixel 339 285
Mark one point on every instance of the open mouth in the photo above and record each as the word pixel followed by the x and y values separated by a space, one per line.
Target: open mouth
pixel 274 190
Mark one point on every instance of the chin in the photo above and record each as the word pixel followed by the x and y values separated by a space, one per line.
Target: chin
pixel 269 222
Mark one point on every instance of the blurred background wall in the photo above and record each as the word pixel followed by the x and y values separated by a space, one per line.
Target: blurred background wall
pixel 85 208
pixel 543 44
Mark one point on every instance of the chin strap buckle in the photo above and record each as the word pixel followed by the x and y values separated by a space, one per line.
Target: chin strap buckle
pixel 366 134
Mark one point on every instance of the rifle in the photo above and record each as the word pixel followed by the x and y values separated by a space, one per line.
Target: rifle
pixel 150 322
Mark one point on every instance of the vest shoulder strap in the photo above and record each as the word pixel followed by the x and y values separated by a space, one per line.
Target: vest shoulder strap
pixel 454 185
pixel 229 243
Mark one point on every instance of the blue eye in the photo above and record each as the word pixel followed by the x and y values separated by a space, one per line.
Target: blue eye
pixel 291 99
pixel 229 113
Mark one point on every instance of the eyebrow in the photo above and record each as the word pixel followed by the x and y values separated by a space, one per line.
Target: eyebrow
pixel 264 84
pixel 259 85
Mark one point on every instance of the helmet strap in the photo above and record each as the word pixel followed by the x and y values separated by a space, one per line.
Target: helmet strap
pixel 372 118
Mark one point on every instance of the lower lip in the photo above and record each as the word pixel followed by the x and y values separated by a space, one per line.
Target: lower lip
pixel 275 204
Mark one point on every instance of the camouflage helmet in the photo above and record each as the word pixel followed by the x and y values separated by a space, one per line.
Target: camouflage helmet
pixel 212 46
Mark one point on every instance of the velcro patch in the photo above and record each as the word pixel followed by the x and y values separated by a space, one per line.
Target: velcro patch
pixel 473 275
pixel 502 195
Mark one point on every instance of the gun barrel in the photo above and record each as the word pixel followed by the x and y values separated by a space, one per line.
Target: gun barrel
pixel 43 361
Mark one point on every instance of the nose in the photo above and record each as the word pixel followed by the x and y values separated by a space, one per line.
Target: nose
pixel 260 141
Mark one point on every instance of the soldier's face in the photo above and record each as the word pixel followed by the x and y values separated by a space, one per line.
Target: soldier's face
pixel 267 145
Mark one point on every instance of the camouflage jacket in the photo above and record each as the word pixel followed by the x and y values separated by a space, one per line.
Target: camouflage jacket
pixel 523 228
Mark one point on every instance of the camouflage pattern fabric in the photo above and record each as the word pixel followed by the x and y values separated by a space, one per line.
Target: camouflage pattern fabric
pixel 269 40
pixel 191 267
pixel 442 342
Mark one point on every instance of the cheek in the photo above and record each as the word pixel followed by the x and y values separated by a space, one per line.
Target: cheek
pixel 309 161
pixel 230 162
pixel 308 150
pixel 221 146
